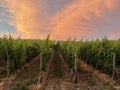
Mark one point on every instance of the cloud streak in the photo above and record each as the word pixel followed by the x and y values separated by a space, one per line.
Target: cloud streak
pixel 81 18
pixel 26 18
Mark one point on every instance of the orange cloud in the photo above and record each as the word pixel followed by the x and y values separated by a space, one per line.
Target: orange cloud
pixel 79 17
pixel 26 19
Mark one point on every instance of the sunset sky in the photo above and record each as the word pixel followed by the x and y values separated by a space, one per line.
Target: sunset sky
pixel 62 19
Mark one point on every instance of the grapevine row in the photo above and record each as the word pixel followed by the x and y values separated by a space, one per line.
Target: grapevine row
pixel 98 53
pixel 21 51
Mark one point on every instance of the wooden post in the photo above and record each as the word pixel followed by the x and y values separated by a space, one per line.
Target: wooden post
pixel 41 66
pixel 75 77
pixel 8 65
pixel 114 60
pixel 71 71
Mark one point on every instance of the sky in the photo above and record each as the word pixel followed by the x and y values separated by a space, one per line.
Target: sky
pixel 61 19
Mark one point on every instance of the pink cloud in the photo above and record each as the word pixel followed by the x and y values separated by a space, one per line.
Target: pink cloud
pixel 79 17
pixel 25 17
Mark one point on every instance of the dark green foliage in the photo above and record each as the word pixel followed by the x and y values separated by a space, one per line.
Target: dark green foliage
pixel 97 53
pixel 21 51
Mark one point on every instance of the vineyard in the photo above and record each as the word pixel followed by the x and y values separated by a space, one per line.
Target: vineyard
pixel 20 51
pixel 97 53
pixel 58 59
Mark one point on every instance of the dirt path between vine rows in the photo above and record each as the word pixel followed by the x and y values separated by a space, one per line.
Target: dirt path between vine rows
pixel 58 75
